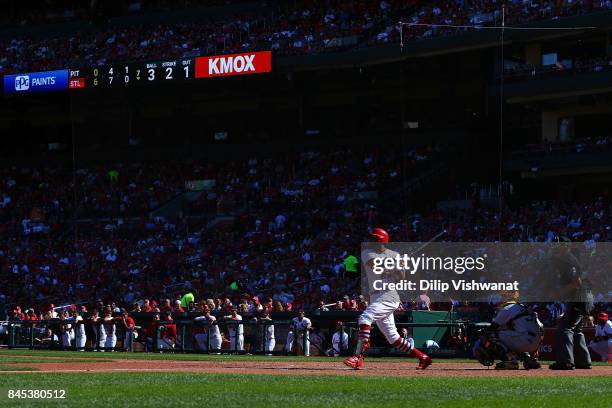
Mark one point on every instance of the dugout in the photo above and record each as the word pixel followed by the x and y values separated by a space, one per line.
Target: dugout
pixel 440 326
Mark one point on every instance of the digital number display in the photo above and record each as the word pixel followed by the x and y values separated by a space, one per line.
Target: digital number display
pixel 119 75
pixel 138 73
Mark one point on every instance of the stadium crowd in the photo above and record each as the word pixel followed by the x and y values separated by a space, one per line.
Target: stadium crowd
pixel 283 209
pixel 34 12
pixel 306 27
pixel 295 223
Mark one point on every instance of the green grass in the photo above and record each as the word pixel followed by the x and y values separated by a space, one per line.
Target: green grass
pixel 4 367
pixel 291 390
pixel 235 390
pixel 58 359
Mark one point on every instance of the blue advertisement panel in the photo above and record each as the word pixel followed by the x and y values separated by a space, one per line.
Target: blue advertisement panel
pixel 36 82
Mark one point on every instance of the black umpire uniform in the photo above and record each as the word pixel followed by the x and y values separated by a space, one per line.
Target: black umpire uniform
pixel 571 348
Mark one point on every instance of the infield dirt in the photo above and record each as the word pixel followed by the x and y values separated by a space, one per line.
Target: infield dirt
pixel 372 368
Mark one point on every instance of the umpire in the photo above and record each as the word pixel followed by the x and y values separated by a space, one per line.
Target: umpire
pixel 571 348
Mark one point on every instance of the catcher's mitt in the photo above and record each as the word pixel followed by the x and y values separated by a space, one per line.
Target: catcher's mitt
pixel 484 355
pixel 488 351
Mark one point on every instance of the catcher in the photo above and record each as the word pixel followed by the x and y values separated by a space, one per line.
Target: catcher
pixel 515 335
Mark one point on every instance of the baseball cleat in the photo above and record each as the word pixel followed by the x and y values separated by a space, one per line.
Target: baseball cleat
pixel 561 366
pixel 507 365
pixel 424 362
pixel 531 364
pixel 354 362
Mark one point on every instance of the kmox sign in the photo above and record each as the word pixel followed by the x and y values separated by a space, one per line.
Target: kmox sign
pixel 233 64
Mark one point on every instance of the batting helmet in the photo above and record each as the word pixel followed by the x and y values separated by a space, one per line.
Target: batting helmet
pixel 602 316
pixel 380 235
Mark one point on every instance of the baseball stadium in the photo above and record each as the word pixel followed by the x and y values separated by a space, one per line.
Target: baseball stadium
pixel 306 203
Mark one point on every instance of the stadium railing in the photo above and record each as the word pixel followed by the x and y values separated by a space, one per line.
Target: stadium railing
pixel 253 333
pixel 48 334
pixel 251 337
pixel 464 328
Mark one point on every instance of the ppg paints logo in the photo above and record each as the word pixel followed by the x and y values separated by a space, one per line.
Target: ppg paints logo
pixel 22 83
pixel 27 82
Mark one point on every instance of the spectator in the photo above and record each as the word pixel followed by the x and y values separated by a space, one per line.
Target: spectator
pixel 130 330
pixel 110 329
pixel 340 341
pixel 268 332
pixel 236 331
pixel 151 332
pixel 208 331
pixel 300 326
pixel 177 307
pixel 602 343
pixel 80 335
pixel 168 334
pixel 350 267
pixel 422 302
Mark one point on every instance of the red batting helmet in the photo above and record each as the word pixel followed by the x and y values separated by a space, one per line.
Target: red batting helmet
pixel 602 316
pixel 380 235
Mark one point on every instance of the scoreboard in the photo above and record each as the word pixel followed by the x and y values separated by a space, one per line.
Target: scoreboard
pixel 140 73
pixel 133 74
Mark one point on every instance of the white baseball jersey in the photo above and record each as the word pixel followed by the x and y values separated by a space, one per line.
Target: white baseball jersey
pixel 604 331
pixel 515 316
pixel 68 326
pixel 213 328
pixel 339 345
pixel 109 326
pixel 269 331
pixel 519 329
pixel 231 328
pixel 389 295
pixel 100 327
pixel 301 324
pixel 603 347
pixel 80 328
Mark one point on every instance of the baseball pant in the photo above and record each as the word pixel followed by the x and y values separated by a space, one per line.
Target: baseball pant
pixel 101 339
pixel 571 345
pixel 518 342
pixel 300 338
pixel 215 342
pixel 111 342
pixel 239 346
pixel 269 345
pixel 149 343
pixel 202 339
pixel 127 338
pixel 603 348
pixel 382 313
pixel 80 341
pixel 66 339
